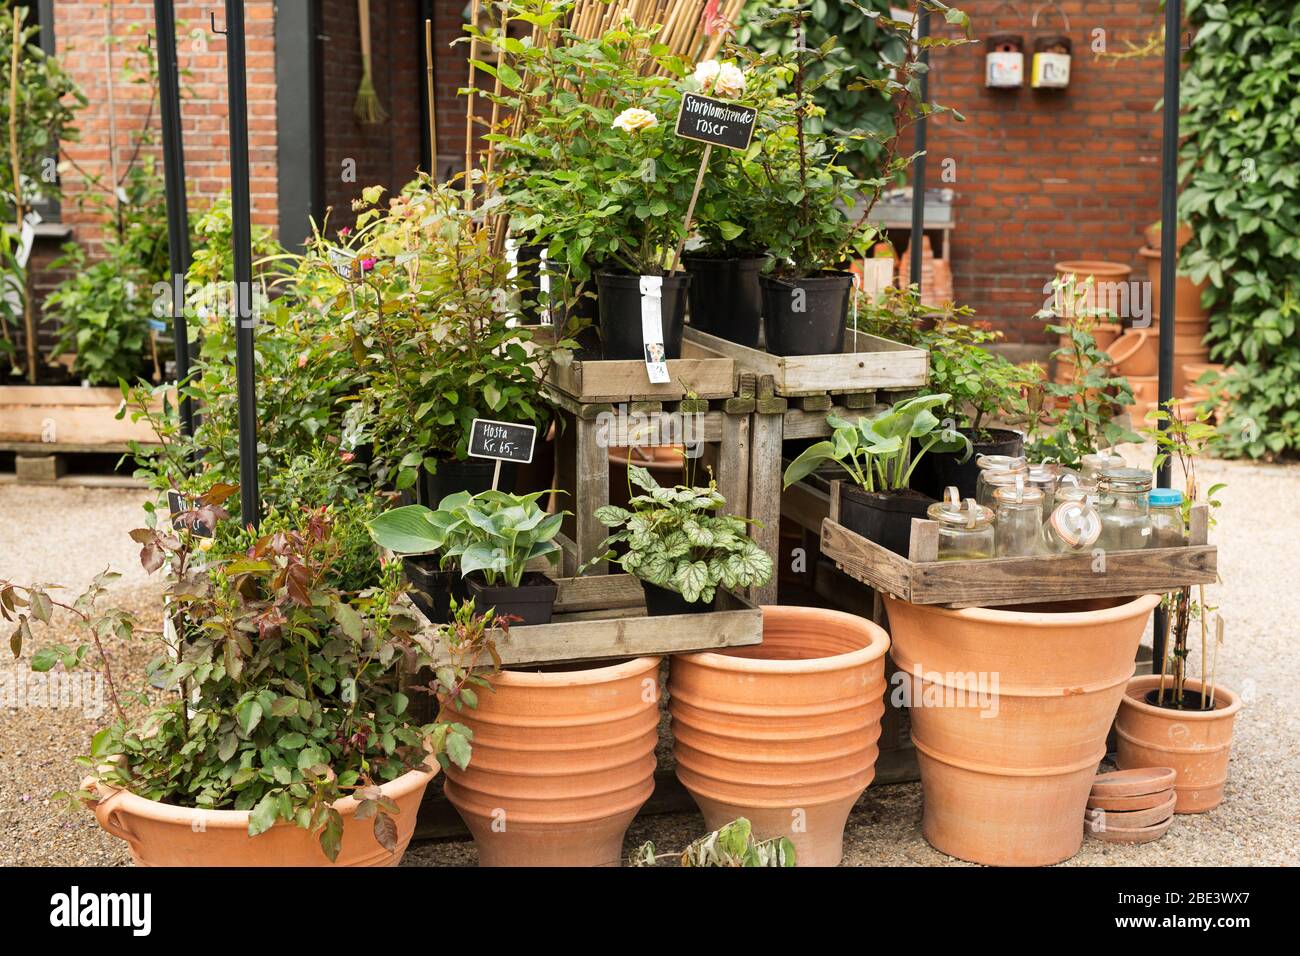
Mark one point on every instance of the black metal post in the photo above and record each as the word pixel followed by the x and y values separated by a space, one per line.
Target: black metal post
pixel 241 231
pixel 1168 245
pixel 178 225
pixel 917 242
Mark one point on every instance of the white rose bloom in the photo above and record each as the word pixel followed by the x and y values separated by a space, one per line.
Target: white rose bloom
pixel 731 80
pixel 634 119
pixel 706 74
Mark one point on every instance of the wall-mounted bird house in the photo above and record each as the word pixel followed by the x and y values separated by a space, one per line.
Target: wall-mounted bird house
pixel 1050 67
pixel 1004 64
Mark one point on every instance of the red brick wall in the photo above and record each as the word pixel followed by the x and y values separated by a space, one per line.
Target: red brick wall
pixel 1045 175
pixel 80 31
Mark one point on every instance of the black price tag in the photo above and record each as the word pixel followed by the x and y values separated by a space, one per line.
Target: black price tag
pixel 717 122
pixel 177 503
pixel 503 441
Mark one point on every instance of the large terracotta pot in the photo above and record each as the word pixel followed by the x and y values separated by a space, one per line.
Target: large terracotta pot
pixel 160 834
pixel 1194 742
pixel 1135 353
pixel 1187 294
pixel 1006 771
pixel 784 732
pixel 562 761
pixel 1099 296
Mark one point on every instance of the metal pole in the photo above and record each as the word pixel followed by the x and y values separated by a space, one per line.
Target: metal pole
pixel 178 227
pixel 241 231
pixel 917 241
pixel 1168 244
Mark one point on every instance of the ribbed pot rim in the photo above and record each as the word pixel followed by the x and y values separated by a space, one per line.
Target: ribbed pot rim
pixel 990 615
pixel 863 655
pixel 138 806
pixel 1092 267
pixel 1148 682
pixel 589 675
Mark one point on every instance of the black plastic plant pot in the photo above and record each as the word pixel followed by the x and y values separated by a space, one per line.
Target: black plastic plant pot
pixel 432 587
pixel 940 470
pixel 882 517
pixel 532 602
pixel 528 258
pixel 724 297
pixel 619 297
pixel 660 601
pixel 472 475
pixel 805 316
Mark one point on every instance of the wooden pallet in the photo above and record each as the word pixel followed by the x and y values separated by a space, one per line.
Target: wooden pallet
pixel 68 415
pixel 867 362
pixel 603 617
pixel 921 578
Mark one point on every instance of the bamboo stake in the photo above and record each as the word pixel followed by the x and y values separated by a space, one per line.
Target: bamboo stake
pixel 433 106
pixel 1214 663
pixel 469 113
pixel 1205 628
pixel 690 209
pixel 20 212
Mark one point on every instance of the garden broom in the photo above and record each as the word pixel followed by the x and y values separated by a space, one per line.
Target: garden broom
pixel 368 108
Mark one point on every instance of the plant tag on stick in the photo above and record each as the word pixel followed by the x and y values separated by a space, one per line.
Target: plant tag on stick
pixel 716 122
pixel 652 329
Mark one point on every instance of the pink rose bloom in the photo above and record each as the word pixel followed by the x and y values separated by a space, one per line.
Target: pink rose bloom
pixel 345 232
pixel 367 264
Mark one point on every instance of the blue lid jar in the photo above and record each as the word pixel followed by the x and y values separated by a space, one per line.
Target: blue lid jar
pixel 1166 497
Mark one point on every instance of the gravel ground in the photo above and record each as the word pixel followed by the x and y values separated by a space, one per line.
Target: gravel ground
pixel 68 535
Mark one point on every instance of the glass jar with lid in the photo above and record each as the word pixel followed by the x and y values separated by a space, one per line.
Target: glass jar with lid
pixel 1044 476
pixel 1074 524
pixel 1167 527
pixel 965 528
pixel 994 464
pixel 1123 501
pixel 1097 464
pixel 1019 519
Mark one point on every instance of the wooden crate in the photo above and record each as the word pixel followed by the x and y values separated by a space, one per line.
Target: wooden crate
pixel 603 617
pixel 867 362
pixel 67 415
pixel 921 578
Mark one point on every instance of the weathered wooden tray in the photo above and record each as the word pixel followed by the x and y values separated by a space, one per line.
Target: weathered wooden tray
pixel 701 372
pixel 603 616
pixel 921 578
pixel 867 362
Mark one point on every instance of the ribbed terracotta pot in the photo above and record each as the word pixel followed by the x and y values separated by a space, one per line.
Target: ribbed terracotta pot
pixel 160 834
pixel 784 732
pixel 1194 742
pixel 1187 294
pixel 562 761
pixel 1006 768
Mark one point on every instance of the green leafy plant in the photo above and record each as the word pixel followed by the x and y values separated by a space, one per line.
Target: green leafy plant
pixel 984 385
pixel 732 845
pixel 676 540
pixel 1239 162
pixel 877 451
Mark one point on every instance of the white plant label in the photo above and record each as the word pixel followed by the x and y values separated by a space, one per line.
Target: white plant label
pixel 652 329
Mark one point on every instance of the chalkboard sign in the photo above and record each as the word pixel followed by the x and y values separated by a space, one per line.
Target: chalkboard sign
pixel 177 504
pixel 716 121
pixel 503 441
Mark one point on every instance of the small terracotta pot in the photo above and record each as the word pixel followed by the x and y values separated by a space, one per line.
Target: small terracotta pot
pixel 159 834
pixel 1145 388
pixel 783 733
pixel 1195 743
pixel 1006 768
pixel 1135 353
pixel 1182 235
pixel 562 761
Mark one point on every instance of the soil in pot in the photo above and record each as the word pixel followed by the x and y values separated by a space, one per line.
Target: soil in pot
pixel 473 475
pixel 564 757
pixel 724 297
pixel 620 315
pixel 784 732
pixel 805 316
pixel 1196 743
pixel 532 602
pixel 884 517
pixel 940 470
pixel 1010 708
pixel 660 601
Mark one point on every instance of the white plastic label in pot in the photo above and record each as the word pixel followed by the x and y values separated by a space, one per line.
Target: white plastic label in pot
pixel 652 329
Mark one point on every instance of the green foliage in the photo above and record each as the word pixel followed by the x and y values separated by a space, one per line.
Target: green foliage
pixel 1240 160
pixel 877 451
pixel 984 385
pixel 675 541
pixel 732 845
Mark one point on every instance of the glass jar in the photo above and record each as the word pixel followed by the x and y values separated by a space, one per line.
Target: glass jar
pixel 1019 520
pixel 1043 476
pixel 1074 524
pixel 965 528
pixel 1097 464
pixel 1167 527
pixel 1072 486
pixel 989 467
pixel 1124 505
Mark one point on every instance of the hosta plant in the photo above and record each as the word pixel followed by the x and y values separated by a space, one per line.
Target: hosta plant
pixel 676 540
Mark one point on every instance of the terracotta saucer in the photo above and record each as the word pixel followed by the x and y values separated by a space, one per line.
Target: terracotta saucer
pixel 1096 820
pixel 1143 801
pixel 1131 783
pixel 1113 834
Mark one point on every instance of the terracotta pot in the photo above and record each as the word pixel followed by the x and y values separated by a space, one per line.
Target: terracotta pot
pixel 1135 353
pixel 1145 388
pixel 1182 235
pixel 1187 294
pixel 1194 742
pixel 784 732
pixel 1103 274
pixel 160 834
pixel 1006 773
pixel 562 761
